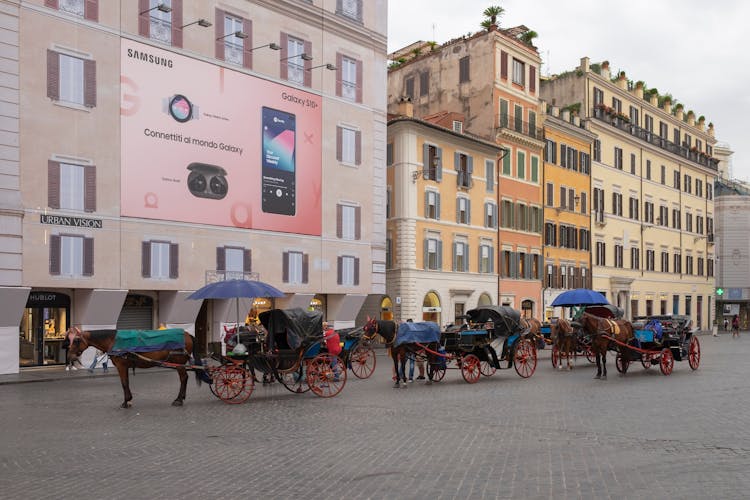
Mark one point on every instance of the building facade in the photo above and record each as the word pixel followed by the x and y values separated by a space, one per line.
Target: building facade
pixel 160 145
pixel 442 224
pixel 491 80
pixel 652 208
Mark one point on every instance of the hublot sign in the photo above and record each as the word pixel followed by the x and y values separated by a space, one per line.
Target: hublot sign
pixel 64 220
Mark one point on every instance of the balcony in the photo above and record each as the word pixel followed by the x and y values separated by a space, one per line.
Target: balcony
pixel 520 126
pixel 623 123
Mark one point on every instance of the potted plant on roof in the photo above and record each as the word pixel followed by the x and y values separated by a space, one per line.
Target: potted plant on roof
pixel 491 15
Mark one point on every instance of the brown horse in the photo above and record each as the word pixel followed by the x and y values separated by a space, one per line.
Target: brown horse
pixel 533 328
pixel 564 340
pixel 601 328
pixel 104 340
pixel 388 330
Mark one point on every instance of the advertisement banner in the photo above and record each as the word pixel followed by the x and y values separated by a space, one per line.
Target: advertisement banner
pixel 209 145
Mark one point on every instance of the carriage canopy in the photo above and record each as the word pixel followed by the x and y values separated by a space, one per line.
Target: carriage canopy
pixel 292 328
pixel 506 320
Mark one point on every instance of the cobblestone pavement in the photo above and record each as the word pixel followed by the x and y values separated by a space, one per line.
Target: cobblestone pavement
pixel 555 435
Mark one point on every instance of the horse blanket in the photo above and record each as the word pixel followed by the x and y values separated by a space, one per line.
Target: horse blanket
pixel 171 339
pixel 423 332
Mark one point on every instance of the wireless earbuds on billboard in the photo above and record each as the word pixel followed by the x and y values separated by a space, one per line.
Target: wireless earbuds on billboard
pixel 207 181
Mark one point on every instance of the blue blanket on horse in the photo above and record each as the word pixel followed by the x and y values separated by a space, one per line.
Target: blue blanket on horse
pixel 172 339
pixel 422 332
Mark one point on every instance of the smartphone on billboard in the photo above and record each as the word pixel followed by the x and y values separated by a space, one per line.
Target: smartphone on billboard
pixel 278 162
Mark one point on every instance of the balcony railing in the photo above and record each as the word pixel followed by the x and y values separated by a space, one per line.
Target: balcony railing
pixel 624 124
pixel 521 127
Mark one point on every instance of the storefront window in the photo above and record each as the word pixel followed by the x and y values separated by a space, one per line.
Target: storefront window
pixel 42 329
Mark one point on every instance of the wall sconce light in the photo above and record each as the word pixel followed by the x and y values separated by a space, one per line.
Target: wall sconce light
pixel 161 8
pixel 238 34
pixel 203 23
pixel 272 46
pixel 304 56
pixel 327 66
pixel 577 199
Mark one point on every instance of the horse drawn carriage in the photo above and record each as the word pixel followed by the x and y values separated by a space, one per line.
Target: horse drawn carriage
pixel 661 340
pixel 491 338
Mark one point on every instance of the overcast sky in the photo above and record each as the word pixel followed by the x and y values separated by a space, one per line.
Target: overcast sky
pixel 692 49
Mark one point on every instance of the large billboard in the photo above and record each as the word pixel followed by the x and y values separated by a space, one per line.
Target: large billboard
pixel 205 144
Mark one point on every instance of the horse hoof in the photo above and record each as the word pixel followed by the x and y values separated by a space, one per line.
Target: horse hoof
pixel 177 402
pixel 125 405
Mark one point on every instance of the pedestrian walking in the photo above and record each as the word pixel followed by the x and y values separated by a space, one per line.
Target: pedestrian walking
pixel 726 324
pixel 99 357
pixel 736 326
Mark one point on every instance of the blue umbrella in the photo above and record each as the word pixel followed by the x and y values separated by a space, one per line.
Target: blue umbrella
pixel 580 297
pixel 234 289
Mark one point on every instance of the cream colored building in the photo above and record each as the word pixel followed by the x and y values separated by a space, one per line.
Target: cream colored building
pixel 136 141
pixel 652 176
pixel 442 221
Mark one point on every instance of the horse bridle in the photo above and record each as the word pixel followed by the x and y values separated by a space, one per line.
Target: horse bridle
pixel 77 339
pixel 375 332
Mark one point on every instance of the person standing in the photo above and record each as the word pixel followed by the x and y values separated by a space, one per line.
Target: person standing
pixel 736 326
pixel 726 324
pixel 99 356
pixel 333 345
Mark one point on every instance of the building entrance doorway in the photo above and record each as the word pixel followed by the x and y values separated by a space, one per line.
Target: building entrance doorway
pixel 43 325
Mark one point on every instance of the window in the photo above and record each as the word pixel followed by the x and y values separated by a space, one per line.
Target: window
pixel 409 87
pixel 585 163
pixel 165 27
pixel 424 83
pixel 688 264
pixel 464 167
pixel 597 150
pixel 635 258
pixel 389 252
pixel 648 170
pixel 519 73
pixel 294 63
pixel 563 197
pixel 71 255
pixel 490 215
pixel 550 151
pixel 598 204
pixel 350 8
pixel 550 192
pixel 71 186
pixel 506 164
pixel 486 259
pixel 676 179
pixel 598 96
pixel 507 214
pixel 650 260
pixel 676 219
pixel 71 80
pixel 584 202
pixel 350 78
pixel 601 255
pixel 463 210
pixel 618 255
pixel 489 175
pixel 550 234
pixel 617 204
pixel 648 212
pixel 294 267
pixel 433 250
pixel 534 169
pixel 689 222
pixel 634 116
pixel 458 126
pixel 664 262
pixel 632 163
pixel 348 270
pixel 159 260
pixel 432 163
pixel 701 266
pixel 521 165
pixel 348 145
pixel 633 208
pixel 663 178
pixel 229 47
pixel 463 70
pixel 699 187
pixel 88 9
pixel 234 261
pixel 348 222
pixel 677 268
pixel 518 118
pixel 432 205
pixel 584 239
pixel 618 158
pixel 617 104
pixel 522 212
pixel 461 257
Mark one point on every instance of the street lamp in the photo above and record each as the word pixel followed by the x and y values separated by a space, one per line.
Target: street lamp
pixel 238 34
pixel 203 23
pixel 272 46
pixel 161 8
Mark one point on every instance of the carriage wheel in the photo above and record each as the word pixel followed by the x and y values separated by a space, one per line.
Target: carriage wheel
pixel 212 367
pixel 470 368
pixel 437 372
pixel 555 357
pixel 621 363
pixel 362 360
pixel 666 361
pixel 326 375
pixel 525 359
pixel 295 380
pixel 233 384
pixel 589 354
pixel 486 368
pixel 694 353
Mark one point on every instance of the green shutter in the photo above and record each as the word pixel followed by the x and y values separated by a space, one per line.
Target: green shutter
pixel 534 169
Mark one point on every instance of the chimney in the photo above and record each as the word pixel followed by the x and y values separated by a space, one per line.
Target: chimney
pixel 638 90
pixel 555 111
pixel 605 70
pixel 405 107
pixel 701 124
pixel 691 118
pixel 622 81
pixel 654 99
pixel 566 115
pixel 585 62
pixel 667 105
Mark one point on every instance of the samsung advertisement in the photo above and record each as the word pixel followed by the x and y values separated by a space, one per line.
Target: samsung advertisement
pixel 210 145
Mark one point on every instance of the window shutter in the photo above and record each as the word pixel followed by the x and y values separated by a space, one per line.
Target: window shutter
pixel 455 257
pixel 305 267
pixel 91 10
pixel 339 145
pixel 479 259
pixel 439 168
pixel 437 206
pixel 486 214
pixel 174 261
pixel 89 83
pixel 88 256
pixel 339 73
pixel 426 204
pixel 89 199
pixel 221 259
pixel 218 34
pixel 356 271
pixel 527 266
pixel 53 184
pixel 426 158
pixel 54 254
pixel 360 82
pixel 247 44
pixel 53 75
pixel 503 65
pixel 285 267
pixel 357 147
pixel 458 210
pixel 468 211
pixel 339 269
pixel 144 20
pixel 532 78
pixel 284 53
pixel 339 221
pixel 247 261
pixel 456 161
pixel 440 255
pixel 555 277
pixel 467 253
pixel 146 259
pixel 52 4
pixel 358 223
pixel 308 64
pixel 470 164
pixel 177 23
pixel 425 256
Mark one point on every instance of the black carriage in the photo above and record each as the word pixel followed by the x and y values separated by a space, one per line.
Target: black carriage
pixel 287 348
pixel 661 340
pixel 489 338
pixel 357 352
